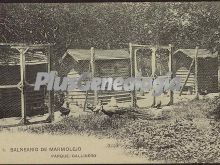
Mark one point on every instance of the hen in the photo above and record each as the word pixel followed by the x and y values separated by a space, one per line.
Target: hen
pixel 64 111
pixel 110 109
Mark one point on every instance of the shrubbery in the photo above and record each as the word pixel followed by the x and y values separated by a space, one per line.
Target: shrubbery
pixel 186 136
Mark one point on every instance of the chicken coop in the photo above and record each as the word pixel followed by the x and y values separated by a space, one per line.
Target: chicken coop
pixel 19 65
pixel 207 73
pixel 107 63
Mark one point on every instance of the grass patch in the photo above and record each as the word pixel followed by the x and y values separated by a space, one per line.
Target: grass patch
pixel 181 138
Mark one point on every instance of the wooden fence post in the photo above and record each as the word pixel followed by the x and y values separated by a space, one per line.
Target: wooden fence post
pixel 87 93
pixel 22 86
pixel 50 93
pixel 135 62
pixel 171 71
pixel 196 73
pixel 93 73
pixel 132 64
pixel 23 96
pixel 153 67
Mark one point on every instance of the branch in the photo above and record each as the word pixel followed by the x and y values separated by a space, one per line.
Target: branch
pixel 9 29
pixel 5 40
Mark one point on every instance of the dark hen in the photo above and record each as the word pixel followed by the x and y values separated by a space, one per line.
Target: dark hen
pixel 111 112
pixel 64 111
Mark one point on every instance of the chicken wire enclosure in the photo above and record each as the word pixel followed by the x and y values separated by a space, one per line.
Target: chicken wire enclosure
pixel 106 63
pixel 113 63
pixel 137 70
pixel 19 65
pixel 143 62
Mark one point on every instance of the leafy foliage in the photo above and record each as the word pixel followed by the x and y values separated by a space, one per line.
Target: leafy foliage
pixel 83 25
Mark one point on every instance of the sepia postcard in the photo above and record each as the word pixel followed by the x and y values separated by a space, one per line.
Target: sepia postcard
pixel 110 83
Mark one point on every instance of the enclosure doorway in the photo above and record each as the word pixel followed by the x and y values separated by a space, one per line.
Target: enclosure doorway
pixel 148 61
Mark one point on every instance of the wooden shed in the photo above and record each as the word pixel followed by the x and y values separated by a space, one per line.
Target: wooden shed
pixel 10 79
pixel 108 63
pixel 207 69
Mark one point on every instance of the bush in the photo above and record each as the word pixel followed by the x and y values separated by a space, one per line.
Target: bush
pixel 179 138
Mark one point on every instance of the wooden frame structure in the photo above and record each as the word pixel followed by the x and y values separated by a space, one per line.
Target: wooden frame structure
pixel 195 63
pixel 23 84
pixel 101 63
pixel 133 61
pixel 92 64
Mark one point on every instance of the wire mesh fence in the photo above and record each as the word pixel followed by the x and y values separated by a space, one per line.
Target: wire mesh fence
pixel 103 69
pixel 12 83
pixel 37 102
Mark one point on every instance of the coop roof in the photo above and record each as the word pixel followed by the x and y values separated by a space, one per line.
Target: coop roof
pixel 202 53
pixel 13 58
pixel 100 54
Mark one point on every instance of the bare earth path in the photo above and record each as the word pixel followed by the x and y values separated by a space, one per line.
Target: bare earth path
pixel 11 143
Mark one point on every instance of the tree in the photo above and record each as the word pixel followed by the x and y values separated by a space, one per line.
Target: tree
pixel 183 24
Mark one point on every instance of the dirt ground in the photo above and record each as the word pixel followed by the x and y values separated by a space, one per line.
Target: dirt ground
pixel 186 132
pixel 142 102
pixel 104 150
